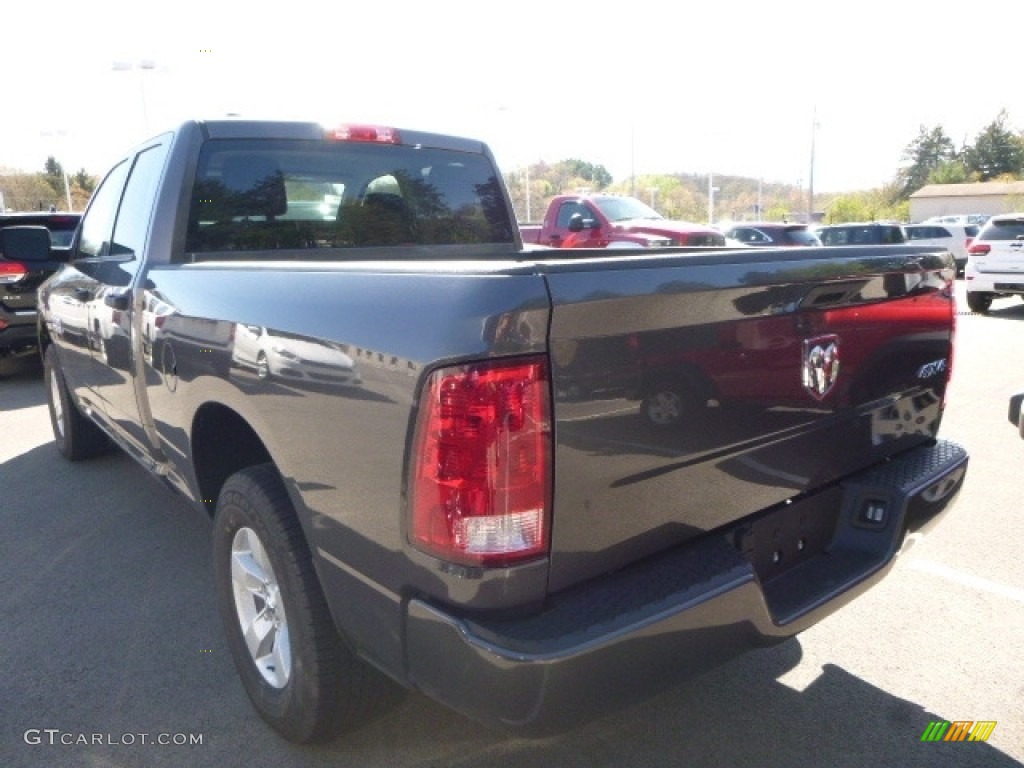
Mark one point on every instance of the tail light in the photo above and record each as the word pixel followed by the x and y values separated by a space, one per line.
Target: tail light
pixel 968 241
pixel 374 134
pixel 11 271
pixel 481 473
pixel 979 249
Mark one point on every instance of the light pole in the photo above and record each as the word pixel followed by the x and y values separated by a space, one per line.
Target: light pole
pixel 711 198
pixel 526 174
pixel 810 178
pixel 142 66
pixel 654 195
pixel 632 159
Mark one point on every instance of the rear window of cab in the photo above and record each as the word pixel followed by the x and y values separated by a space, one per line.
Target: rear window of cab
pixel 1002 229
pixel 273 195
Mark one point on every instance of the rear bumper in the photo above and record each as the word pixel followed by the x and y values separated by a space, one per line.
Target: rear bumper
pixel 618 639
pixel 994 282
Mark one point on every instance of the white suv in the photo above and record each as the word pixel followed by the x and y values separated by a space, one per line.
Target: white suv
pixel 995 261
pixel 956 237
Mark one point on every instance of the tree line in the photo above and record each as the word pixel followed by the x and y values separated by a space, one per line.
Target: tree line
pixel 46 190
pixel 996 154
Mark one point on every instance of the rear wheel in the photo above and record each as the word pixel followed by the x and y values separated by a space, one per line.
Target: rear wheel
pixel 299 674
pixel 979 302
pixel 667 405
pixel 75 435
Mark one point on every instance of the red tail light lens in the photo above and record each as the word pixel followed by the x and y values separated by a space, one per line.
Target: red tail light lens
pixel 376 134
pixel 979 249
pixel 11 271
pixel 481 471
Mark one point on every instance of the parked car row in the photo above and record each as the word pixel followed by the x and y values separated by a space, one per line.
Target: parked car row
pixel 956 238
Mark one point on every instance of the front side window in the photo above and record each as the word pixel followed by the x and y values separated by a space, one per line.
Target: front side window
pixel 568 209
pixel 133 217
pixel 267 195
pixel 98 223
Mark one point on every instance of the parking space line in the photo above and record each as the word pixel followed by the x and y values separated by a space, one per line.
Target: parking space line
pixel 968 579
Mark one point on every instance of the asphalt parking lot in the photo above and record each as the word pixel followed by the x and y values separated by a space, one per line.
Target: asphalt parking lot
pixel 112 651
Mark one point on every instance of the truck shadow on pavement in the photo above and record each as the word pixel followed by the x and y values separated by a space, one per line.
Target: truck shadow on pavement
pixel 735 716
pixel 111 628
pixel 21 384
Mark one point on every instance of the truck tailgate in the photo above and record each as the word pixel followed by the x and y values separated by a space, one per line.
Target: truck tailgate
pixel 693 390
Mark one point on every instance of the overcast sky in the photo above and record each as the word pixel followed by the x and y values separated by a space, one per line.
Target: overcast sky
pixel 727 87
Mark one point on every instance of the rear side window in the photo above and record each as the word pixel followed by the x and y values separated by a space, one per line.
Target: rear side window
pixel 1006 229
pixel 750 236
pixel 926 233
pixel 833 236
pixel 871 234
pixel 801 236
pixel 263 195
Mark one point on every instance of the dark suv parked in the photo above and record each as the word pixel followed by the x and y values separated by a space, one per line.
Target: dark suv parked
pixel 872 233
pixel 19 279
pixel 771 233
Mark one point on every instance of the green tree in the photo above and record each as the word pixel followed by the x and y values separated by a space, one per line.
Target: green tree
pixel 598 175
pixel 950 172
pixel 29 192
pixel 996 151
pixel 931 149
pixel 53 168
pixel 84 181
pixel 870 205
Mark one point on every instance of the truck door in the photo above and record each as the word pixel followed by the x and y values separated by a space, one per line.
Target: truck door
pixel 113 309
pixel 561 237
pixel 74 294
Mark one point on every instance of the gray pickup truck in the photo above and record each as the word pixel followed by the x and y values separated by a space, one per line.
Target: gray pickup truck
pixel 533 484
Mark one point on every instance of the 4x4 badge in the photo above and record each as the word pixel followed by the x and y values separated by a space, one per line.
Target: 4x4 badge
pixel 820 365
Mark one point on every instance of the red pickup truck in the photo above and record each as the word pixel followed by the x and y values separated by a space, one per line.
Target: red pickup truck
pixel 602 221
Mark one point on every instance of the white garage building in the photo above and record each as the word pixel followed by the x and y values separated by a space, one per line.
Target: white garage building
pixel 989 197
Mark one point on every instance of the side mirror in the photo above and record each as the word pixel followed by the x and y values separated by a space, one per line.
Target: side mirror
pixel 25 243
pixel 576 222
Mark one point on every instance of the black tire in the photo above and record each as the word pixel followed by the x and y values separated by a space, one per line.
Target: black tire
pixel 76 436
pixel 979 302
pixel 668 405
pixel 308 686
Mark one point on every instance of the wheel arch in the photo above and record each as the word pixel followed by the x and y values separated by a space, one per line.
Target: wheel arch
pixel 223 442
pixel 686 375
